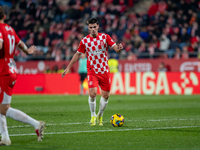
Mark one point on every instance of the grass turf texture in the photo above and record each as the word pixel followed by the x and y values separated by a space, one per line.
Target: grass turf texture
pixel 151 122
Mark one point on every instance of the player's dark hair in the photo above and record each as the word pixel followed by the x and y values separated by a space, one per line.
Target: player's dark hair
pixel 2 13
pixel 92 21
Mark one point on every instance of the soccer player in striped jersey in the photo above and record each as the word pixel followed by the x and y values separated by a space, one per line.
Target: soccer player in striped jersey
pixel 95 45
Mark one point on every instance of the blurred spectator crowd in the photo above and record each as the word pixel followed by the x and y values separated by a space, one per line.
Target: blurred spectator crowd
pixel 168 29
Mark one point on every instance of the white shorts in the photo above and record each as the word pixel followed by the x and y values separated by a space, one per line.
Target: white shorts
pixel 6 99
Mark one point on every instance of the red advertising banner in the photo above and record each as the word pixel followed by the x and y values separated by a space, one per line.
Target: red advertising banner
pixel 47 84
pixel 155 83
pixel 140 83
pixel 172 65
pixel 38 67
pixel 141 65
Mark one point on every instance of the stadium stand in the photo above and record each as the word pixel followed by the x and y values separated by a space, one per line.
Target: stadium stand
pixel 146 28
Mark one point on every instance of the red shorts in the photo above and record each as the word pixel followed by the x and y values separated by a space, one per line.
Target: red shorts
pixel 6 85
pixel 103 80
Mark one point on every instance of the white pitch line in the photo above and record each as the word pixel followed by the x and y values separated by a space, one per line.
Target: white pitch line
pixel 54 124
pixel 168 119
pixel 49 124
pixel 93 131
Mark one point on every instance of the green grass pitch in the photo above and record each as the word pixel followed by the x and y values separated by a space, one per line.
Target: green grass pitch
pixel 151 123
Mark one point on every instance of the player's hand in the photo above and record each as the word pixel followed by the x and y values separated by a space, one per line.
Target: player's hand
pixel 120 47
pixel 31 49
pixel 65 72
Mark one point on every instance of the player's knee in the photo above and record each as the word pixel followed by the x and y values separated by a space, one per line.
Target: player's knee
pixel 105 96
pixel 4 108
pixel 93 95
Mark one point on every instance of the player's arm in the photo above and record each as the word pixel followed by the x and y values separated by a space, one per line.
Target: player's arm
pixel 1 44
pixel 22 46
pixel 118 47
pixel 1 41
pixel 73 60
